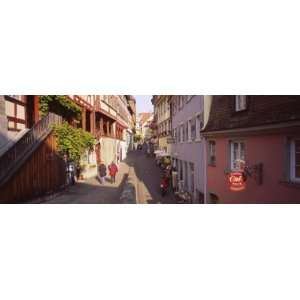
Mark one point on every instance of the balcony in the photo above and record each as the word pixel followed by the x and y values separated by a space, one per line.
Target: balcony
pixel 170 140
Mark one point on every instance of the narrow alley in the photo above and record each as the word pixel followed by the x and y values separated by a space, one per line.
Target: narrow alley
pixel 146 175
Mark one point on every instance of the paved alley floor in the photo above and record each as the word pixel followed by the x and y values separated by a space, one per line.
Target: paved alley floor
pixel 146 175
pixel 92 192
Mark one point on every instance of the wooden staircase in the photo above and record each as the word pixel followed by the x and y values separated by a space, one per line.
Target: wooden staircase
pixel 22 166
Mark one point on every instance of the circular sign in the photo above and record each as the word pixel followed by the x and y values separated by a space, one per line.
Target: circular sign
pixel 237 181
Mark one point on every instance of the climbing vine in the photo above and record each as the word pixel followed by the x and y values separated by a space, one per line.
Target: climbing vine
pixel 73 141
pixel 61 105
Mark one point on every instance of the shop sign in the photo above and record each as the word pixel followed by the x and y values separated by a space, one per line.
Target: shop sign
pixel 237 181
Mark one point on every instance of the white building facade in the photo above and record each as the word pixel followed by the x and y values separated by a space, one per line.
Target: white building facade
pixel 188 146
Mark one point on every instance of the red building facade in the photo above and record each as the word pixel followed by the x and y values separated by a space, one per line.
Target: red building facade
pixel 253 149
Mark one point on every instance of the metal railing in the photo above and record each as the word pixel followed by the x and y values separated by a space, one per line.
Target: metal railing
pixel 26 143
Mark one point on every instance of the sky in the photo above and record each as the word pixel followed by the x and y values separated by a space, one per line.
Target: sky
pixel 143 103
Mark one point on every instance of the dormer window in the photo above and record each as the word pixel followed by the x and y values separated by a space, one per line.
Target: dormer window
pixel 240 103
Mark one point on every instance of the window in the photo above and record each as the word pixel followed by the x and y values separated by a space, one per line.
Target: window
pixel 237 155
pixel 180 136
pixel 240 103
pixel 212 153
pixel 186 128
pixel 199 125
pixel 186 178
pixel 295 160
pixel 15 110
pixel 193 129
pixel 17 97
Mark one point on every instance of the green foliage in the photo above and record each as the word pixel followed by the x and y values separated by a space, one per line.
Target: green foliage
pixel 73 141
pixel 61 105
pixel 137 138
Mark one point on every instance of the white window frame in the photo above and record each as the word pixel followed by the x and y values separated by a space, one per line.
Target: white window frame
pixel 189 137
pixel 240 103
pixel 232 167
pixel 293 162
pixel 199 122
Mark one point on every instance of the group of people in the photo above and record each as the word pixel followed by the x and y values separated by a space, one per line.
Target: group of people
pixel 102 172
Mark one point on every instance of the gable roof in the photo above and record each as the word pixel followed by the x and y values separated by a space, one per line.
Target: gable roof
pixel 261 110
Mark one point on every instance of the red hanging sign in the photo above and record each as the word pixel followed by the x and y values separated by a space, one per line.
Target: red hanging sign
pixel 237 181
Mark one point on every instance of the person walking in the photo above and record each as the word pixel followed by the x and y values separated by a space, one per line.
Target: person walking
pixel 102 172
pixel 113 170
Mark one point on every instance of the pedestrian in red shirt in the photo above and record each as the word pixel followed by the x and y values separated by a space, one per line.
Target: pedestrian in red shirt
pixel 113 170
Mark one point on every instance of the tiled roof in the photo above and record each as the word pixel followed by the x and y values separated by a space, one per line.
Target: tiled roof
pixel 261 110
pixel 144 117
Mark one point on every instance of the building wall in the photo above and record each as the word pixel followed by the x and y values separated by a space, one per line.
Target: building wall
pixel 191 152
pixel 129 140
pixel 162 109
pixel 108 150
pixel 146 131
pixel 271 150
pixel 122 146
pixel 162 144
pixel 162 113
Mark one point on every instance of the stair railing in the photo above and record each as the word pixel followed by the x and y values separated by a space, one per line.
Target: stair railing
pixel 25 144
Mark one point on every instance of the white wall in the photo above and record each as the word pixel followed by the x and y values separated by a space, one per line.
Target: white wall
pixel 108 150
pixel 192 152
